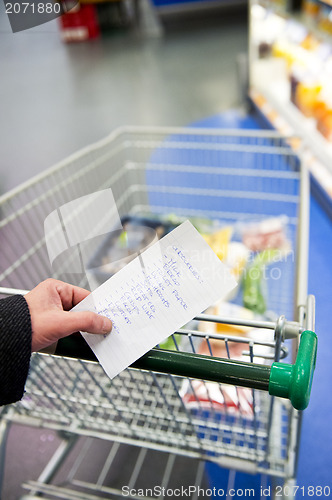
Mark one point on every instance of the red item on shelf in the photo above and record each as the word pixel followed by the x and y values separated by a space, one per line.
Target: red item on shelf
pixel 79 24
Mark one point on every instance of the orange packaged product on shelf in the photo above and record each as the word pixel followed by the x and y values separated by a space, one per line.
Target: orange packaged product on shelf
pixel 324 117
pixel 306 97
pixel 324 125
pixel 311 8
pixel 320 109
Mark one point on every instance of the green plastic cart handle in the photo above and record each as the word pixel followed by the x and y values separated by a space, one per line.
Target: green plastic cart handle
pixel 281 379
pixel 294 381
pixel 224 371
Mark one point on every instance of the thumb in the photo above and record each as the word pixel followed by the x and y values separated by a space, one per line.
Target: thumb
pixel 87 321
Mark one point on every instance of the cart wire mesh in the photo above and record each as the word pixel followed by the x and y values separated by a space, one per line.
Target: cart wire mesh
pixel 225 175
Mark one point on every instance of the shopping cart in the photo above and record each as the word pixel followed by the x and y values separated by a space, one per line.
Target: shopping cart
pixel 230 176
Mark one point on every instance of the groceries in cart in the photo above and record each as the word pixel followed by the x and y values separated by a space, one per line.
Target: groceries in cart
pixel 246 248
pixel 201 395
pixel 268 244
pixel 138 233
pixel 121 246
pixel 233 342
pixel 265 234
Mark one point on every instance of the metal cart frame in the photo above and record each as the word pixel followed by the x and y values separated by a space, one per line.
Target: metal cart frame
pixel 228 175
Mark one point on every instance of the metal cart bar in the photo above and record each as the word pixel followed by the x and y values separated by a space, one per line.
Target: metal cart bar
pixel 290 329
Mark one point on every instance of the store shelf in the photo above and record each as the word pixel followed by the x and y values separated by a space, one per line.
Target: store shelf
pixel 287 119
pixel 305 128
pixel 288 51
pixel 300 18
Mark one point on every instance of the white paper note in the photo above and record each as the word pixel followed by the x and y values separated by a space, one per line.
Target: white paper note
pixel 154 295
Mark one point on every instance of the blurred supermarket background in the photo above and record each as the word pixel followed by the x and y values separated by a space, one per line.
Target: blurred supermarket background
pixel 209 63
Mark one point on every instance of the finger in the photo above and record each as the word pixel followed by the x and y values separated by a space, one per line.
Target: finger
pixel 70 295
pixel 85 321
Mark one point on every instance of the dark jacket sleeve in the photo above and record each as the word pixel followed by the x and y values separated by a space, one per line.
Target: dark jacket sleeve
pixel 15 347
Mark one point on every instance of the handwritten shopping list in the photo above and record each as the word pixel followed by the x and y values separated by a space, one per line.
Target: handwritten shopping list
pixel 154 295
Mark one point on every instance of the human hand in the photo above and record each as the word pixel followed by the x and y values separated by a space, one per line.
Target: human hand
pixel 49 304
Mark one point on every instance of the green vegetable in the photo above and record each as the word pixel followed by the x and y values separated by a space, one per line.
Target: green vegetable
pixel 123 239
pixel 253 298
pixel 169 343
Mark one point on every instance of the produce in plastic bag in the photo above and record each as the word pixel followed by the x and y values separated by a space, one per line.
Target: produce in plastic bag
pixel 268 233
